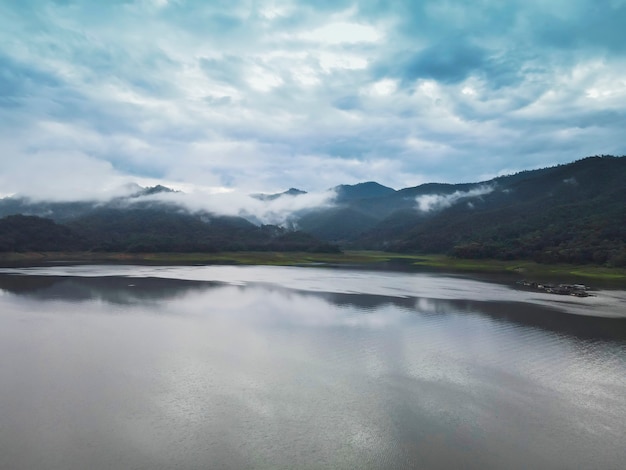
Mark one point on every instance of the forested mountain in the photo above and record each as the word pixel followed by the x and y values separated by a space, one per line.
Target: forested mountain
pixel 30 233
pixel 135 224
pixel 272 197
pixel 64 211
pixel 568 213
pixel 369 190
pixel 150 230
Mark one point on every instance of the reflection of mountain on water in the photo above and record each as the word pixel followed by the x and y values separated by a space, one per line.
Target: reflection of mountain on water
pixel 531 315
pixel 521 313
pixel 131 290
pixel 537 316
pixel 117 290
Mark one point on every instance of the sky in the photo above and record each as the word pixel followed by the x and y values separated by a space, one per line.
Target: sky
pixel 259 96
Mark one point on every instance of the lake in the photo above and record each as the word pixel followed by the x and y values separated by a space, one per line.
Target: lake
pixel 151 367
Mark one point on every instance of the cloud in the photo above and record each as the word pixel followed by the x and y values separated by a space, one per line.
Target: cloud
pixel 342 33
pixel 222 201
pixel 450 61
pixel 266 95
pixel 61 176
pixel 436 202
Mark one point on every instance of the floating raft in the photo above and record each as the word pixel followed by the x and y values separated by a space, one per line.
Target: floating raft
pixel 577 290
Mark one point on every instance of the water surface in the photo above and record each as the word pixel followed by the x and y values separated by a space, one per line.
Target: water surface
pixel 226 367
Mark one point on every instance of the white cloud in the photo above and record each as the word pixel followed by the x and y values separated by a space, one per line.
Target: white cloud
pixel 305 95
pixel 263 80
pixel 329 61
pixel 61 176
pixel 342 33
pixel 435 202
pixel 383 87
pixel 237 203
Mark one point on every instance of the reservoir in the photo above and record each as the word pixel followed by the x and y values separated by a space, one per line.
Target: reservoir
pixel 194 367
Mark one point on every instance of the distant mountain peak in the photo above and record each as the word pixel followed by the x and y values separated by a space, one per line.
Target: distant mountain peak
pixel 271 197
pixel 294 192
pixel 366 190
pixel 151 190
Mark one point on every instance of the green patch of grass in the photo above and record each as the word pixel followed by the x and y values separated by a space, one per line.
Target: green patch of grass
pixel 439 262
pixel 601 273
pixel 244 258
pixel 528 268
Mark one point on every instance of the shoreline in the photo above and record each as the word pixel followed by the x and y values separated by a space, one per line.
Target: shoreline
pixel 347 279
pixel 357 259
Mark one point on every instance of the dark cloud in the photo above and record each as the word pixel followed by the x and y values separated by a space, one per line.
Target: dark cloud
pixel 347 103
pixel 21 80
pixel 597 25
pixel 265 94
pixel 450 61
pixel 228 69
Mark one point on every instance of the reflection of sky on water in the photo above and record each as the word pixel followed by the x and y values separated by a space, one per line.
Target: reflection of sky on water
pixel 345 281
pixel 160 372
pixel 307 307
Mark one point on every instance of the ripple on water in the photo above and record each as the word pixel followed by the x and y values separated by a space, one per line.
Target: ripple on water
pixel 248 374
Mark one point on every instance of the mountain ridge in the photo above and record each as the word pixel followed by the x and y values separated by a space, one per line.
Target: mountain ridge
pixel 574 212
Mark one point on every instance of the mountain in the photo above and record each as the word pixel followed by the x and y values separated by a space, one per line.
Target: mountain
pixel 149 191
pixel 568 213
pixel 64 211
pixel 271 197
pixel 368 190
pixel 356 208
pixel 30 233
pixel 336 224
pixel 138 224
pixel 150 230
pixel 57 211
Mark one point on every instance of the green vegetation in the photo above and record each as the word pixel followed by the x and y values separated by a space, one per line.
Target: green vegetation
pixel 526 268
pixel 569 219
pixel 350 258
pixel 242 257
pixel 574 214
pixel 150 230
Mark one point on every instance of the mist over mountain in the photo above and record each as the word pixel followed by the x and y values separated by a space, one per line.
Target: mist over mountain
pixel 368 190
pixel 259 209
pixel 151 219
pixel 150 230
pixel 273 197
pixel 568 213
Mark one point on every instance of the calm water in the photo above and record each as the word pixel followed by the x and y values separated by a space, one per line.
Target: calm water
pixel 225 367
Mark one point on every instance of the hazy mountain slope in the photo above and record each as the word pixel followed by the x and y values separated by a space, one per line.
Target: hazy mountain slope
pixel 368 190
pixel 30 233
pixel 272 197
pixel 434 188
pixel 64 211
pixel 139 223
pixel 158 230
pixel 574 213
pixel 144 230
pixel 58 211
pixel 337 224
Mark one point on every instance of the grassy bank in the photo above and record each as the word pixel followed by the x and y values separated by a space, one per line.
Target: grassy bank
pixel 522 267
pixel 439 262
pixel 243 258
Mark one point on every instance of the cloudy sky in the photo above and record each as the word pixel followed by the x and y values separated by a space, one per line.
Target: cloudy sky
pixel 265 95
